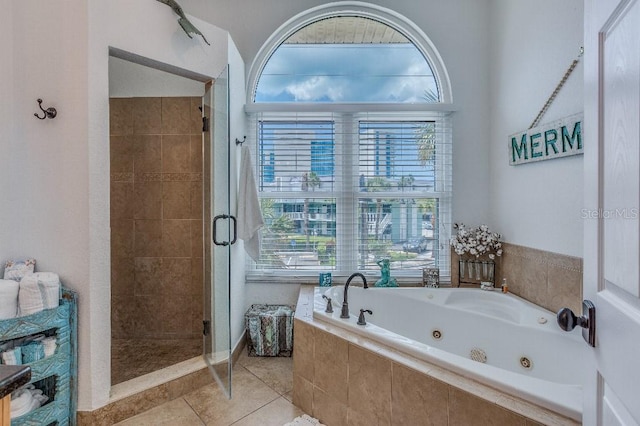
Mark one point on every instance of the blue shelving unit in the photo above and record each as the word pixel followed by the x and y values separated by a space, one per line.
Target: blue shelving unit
pixel 55 375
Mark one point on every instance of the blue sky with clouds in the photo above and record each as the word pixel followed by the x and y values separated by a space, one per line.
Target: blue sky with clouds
pixel 346 73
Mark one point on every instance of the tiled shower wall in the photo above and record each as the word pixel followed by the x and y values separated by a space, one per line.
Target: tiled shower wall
pixel 156 218
pixel 548 279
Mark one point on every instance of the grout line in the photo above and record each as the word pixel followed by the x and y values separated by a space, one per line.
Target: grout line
pixel 257 409
pixel 194 410
pixel 279 395
pixel 265 383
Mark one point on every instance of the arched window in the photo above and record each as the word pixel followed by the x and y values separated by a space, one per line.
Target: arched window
pixel 347 59
pixel 352 140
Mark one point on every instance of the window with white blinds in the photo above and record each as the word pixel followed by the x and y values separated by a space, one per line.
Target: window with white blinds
pixel 352 146
pixel 341 191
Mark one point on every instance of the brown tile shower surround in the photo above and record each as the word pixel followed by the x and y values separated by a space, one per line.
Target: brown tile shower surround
pixel 548 279
pixel 345 379
pixel 156 219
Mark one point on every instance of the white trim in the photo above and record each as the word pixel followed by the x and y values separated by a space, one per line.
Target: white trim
pixel 360 9
pixel 355 107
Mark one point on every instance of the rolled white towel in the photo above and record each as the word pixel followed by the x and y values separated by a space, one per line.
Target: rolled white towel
pixel 38 291
pixel 12 356
pixel 50 344
pixel 21 401
pixel 9 299
pixel 50 282
pixel 26 399
pixel 30 297
pixel 39 397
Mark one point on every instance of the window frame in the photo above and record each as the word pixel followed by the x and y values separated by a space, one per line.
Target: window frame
pixel 442 110
pixel 359 9
pixel 346 158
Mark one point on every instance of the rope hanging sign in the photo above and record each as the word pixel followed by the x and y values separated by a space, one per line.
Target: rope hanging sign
pixel 560 138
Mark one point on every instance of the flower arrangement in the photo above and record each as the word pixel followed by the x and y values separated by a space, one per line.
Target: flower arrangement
pixel 476 241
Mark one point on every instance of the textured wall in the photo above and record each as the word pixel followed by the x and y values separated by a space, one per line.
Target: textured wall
pixel 156 217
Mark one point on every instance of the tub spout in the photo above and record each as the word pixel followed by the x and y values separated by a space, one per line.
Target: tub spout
pixel 345 304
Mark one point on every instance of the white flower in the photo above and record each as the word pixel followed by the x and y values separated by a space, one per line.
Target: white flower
pixel 476 241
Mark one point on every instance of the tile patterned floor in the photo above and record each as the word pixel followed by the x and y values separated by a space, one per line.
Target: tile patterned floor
pixel 262 394
pixel 131 358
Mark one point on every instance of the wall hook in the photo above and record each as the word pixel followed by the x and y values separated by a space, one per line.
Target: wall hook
pixel 47 113
pixel 240 142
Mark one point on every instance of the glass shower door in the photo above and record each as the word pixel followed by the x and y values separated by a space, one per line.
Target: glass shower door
pixel 219 231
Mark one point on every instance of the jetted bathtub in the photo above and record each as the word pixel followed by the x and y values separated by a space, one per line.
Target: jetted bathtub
pixel 498 339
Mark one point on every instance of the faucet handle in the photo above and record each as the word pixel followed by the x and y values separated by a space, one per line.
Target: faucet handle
pixel 329 308
pixel 361 320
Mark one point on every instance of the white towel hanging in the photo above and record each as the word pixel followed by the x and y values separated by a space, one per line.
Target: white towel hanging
pixel 249 215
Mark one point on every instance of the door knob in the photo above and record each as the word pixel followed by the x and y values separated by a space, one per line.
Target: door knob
pixel 567 321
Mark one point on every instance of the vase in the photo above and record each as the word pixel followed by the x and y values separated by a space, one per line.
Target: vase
pixel 462 265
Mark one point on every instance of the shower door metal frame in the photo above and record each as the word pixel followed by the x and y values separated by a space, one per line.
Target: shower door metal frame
pixel 218 232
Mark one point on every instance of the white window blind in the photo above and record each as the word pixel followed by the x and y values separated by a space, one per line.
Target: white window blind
pixel 341 191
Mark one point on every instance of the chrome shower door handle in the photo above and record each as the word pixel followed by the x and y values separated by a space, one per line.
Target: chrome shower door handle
pixel 567 321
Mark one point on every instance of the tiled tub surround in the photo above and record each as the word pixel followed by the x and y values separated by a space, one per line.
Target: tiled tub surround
pixel 156 220
pixel 344 378
pixel 548 279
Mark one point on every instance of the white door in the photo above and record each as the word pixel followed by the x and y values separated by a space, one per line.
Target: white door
pixel 612 193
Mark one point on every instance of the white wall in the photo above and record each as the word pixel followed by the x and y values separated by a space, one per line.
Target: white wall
pixel 7 140
pixel 237 128
pixel 459 29
pixel 130 80
pixel 42 217
pixel 532 44
pixel 46 215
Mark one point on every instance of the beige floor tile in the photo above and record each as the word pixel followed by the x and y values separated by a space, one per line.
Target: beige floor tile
pixel 250 393
pixel 174 413
pixel 276 372
pixel 275 413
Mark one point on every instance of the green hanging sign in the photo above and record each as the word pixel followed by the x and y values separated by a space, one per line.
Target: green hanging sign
pixel 560 138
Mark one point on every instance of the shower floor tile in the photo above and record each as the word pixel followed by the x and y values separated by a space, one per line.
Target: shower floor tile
pixel 131 358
